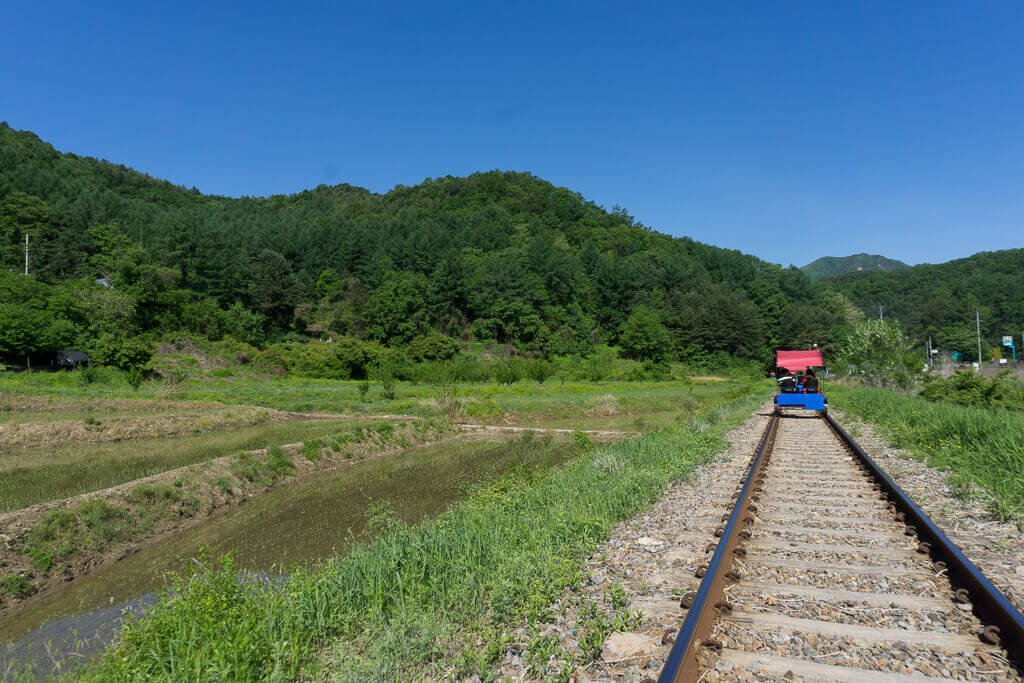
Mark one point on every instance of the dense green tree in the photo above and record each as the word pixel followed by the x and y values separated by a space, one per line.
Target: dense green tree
pixel 941 300
pixel 878 353
pixel 19 326
pixel 244 325
pixel 643 337
pixel 397 311
pixel 21 214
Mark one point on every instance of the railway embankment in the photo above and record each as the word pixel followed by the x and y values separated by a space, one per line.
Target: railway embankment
pixel 635 573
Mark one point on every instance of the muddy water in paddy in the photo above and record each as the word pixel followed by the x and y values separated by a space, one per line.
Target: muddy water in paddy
pixel 299 523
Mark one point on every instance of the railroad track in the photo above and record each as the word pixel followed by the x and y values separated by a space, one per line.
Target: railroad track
pixel 825 571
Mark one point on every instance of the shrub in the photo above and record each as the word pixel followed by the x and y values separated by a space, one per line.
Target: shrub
pixel 176 369
pixel 443 377
pixel 486 408
pixel 147 494
pixel 42 561
pixel 878 353
pixel 272 360
pixel 386 376
pixel 971 389
pixel 278 463
pixel 123 353
pixel 87 375
pixel 316 360
pixel 599 366
pixel 507 371
pixel 582 440
pixel 311 449
pixel 355 355
pixel 243 324
pixel 203 317
pixel 539 370
pixel 433 346
pixel 135 376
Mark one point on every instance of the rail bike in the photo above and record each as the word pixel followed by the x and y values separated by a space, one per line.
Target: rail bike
pixel 798 396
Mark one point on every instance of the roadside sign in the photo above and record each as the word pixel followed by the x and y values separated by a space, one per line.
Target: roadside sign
pixel 1007 340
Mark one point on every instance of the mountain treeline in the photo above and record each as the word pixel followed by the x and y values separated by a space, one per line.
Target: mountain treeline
pixel 116 254
pixel 834 266
pixel 941 300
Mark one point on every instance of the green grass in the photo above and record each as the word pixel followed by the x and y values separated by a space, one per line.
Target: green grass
pixel 418 599
pixel 981 448
pixel 553 399
pixel 35 475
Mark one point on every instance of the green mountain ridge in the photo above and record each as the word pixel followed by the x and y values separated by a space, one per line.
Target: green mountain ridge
pixel 940 300
pixel 492 256
pixel 834 266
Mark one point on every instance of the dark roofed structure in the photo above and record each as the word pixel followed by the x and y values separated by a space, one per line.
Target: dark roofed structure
pixel 71 359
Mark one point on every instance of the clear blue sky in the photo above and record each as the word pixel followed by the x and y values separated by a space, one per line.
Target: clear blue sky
pixel 787 130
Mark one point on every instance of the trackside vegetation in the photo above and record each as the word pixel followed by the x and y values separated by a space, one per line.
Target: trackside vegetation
pixel 438 598
pixel 980 448
pixel 971 389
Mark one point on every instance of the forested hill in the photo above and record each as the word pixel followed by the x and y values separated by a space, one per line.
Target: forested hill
pixel 833 266
pixel 940 300
pixel 502 256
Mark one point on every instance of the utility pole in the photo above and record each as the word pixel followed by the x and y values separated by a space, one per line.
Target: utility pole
pixel 26 253
pixel 977 320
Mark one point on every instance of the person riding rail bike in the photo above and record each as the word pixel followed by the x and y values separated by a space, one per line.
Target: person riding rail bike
pixel 811 382
pixel 787 381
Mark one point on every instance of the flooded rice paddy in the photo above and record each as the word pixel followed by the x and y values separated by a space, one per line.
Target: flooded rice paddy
pixel 36 475
pixel 297 524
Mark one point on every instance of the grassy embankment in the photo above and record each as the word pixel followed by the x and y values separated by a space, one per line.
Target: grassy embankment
pixel 439 597
pixel 981 448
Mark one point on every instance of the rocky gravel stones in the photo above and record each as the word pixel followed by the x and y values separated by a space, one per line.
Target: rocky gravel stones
pixel 831 586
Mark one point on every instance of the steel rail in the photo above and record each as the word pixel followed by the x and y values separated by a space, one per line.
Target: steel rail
pixel 681 664
pixel 1004 623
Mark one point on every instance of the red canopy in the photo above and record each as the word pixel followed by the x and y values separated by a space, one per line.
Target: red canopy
pixel 798 360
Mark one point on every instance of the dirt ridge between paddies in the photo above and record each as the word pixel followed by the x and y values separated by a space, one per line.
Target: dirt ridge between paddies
pixel 596 435
pixel 46 545
pixel 193 418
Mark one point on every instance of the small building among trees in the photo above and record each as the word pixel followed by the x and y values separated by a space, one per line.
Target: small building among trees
pixel 70 359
